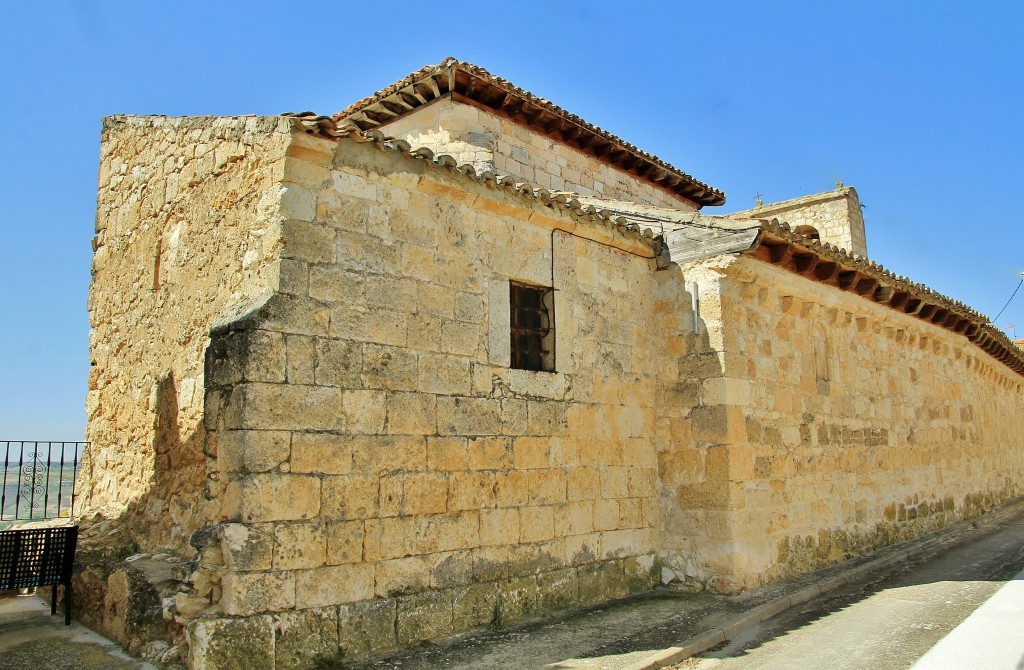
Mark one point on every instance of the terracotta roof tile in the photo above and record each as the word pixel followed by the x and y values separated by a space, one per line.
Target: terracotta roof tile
pixel 327 127
pixel 476 85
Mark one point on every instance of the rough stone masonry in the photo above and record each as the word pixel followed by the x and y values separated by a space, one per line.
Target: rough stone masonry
pixel 310 440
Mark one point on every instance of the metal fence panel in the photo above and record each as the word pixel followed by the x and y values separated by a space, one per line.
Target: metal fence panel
pixel 38 479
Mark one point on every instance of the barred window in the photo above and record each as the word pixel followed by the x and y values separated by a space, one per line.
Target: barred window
pixel 533 327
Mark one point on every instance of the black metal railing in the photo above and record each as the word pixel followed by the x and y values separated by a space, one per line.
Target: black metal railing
pixel 38 479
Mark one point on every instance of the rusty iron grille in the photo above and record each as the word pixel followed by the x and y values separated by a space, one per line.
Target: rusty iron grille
pixel 39 479
pixel 531 327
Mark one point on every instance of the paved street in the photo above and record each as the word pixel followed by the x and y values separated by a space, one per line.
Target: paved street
pixel 32 639
pixel 965 604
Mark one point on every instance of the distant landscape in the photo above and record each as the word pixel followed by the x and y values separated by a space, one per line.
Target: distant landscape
pixel 38 480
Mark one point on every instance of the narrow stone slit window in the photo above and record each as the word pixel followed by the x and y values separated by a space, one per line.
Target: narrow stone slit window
pixel 533 327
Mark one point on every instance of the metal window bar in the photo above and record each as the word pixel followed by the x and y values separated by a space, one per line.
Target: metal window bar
pixel 39 479
pixel 530 326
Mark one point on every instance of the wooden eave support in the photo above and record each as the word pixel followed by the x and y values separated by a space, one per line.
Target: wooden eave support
pixel 899 299
pixel 883 294
pixel 433 87
pixel 780 253
pixel 380 115
pixel 804 263
pixel 826 271
pixel 847 279
pixel 395 105
pixel 424 91
pixel 866 286
pixel 913 306
pixel 411 98
pixel 470 86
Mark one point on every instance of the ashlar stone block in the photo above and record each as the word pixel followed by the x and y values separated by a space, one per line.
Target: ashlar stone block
pixel 247 546
pixel 248 593
pixel 333 585
pixel 474 606
pixel 323 453
pixel 424 617
pixel 367 627
pixel 299 545
pixel 232 644
pixel 306 637
pixel 278 497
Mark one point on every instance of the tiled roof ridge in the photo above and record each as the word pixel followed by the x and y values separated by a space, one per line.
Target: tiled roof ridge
pixel 326 126
pixel 716 196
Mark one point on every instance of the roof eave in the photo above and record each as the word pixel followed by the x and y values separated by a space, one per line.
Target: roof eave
pixel 473 85
pixel 778 245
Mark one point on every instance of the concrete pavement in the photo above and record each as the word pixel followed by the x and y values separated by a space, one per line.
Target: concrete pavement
pixel 990 637
pixel 32 639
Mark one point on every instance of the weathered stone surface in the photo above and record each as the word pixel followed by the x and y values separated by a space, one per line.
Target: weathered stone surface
pixel 331 585
pixel 247 546
pixel 305 638
pixel 247 593
pixel 424 617
pixel 367 627
pixel 232 644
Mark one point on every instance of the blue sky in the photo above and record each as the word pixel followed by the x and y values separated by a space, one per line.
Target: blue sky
pixel 916 104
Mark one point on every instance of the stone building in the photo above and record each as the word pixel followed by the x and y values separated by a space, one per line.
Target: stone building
pixel 455 358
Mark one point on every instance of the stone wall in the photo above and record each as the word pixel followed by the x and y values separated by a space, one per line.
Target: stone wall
pixel 186 228
pixel 391 479
pixel 301 383
pixel 489 142
pixel 827 426
pixel 835 215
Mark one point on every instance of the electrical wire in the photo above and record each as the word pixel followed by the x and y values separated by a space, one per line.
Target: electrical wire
pixel 1008 301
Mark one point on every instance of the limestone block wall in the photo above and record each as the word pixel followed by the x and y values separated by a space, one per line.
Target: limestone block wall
pixel 186 227
pixel 390 479
pixel 829 426
pixel 489 142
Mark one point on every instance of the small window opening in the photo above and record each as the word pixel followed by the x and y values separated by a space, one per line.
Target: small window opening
pixel 809 232
pixel 533 329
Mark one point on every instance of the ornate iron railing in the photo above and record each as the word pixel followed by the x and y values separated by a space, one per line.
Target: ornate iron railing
pixel 38 479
